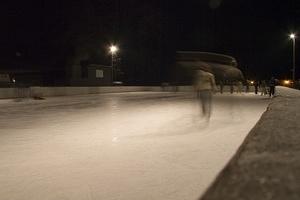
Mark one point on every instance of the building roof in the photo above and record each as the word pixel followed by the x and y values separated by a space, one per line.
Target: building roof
pixel 206 56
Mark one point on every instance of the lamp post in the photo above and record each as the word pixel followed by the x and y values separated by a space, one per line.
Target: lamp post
pixel 113 50
pixel 293 37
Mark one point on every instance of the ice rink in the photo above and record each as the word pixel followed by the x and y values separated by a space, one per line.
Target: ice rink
pixel 126 146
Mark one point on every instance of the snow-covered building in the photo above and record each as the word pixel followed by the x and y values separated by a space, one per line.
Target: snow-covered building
pixel 224 67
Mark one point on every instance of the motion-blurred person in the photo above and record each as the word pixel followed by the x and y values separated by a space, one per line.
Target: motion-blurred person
pixel 205 86
pixel 263 88
pixel 239 87
pixel 272 84
pixel 247 86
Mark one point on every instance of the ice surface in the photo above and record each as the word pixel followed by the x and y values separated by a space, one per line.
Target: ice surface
pixel 128 146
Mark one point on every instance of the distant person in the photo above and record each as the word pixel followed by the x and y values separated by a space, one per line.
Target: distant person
pixel 231 88
pixel 272 84
pixel 221 86
pixel 205 85
pixel 256 85
pixel 263 88
pixel 239 87
pixel 247 86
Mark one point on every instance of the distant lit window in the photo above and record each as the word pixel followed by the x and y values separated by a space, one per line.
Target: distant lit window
pixel 99 73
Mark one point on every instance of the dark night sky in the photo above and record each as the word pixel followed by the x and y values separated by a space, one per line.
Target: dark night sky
pixel 51 34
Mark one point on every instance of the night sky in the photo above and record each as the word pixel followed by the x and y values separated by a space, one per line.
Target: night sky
pixel 54 34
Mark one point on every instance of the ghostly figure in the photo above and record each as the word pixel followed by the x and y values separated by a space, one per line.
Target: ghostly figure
pixel 205 85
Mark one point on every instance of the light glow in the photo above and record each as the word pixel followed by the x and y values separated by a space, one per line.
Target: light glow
pixel 113 49
pixel 286 82
pixel 292 36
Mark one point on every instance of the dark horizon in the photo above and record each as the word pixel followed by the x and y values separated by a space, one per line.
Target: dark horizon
pixel 50 35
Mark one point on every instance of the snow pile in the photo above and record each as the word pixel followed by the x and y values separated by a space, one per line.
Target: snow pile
pixel 267 165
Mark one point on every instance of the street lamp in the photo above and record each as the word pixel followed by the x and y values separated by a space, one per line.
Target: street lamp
pixel 293 37
pixel 113 50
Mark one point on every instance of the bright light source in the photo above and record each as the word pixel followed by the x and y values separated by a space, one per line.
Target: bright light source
pixel 113 49
pixel 286 82
pixel 292 36
pixel 252 82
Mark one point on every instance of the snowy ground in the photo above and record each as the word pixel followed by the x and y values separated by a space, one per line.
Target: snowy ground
pixel 130 146
pixel 268 165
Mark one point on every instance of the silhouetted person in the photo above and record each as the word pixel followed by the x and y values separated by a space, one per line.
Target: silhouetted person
pixel 247 86
pixel 231 88
pixel 221 86
pixel 272 84
pixel 256 85
pixel 204 86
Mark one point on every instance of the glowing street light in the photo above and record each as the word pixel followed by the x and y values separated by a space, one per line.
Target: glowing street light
pixel 113 50
pixel 286 82
pixel 293 37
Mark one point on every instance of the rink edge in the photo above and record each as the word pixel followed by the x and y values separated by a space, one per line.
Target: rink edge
pixel 267 164
pixel 29 92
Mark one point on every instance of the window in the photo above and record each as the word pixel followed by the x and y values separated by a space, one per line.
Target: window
pixel 99 73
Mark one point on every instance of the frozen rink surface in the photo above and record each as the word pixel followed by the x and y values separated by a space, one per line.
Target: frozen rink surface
pixel 129 146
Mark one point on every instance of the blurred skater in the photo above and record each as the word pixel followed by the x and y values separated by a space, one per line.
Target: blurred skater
pixel 239 86
pixel 205 86
pixel 247 86
pixel 272 84
pixel 263 88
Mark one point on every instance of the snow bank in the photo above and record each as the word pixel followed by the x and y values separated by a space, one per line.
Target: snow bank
pixel 267 165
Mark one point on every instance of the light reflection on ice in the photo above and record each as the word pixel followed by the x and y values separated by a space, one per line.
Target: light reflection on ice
pixel 115 139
